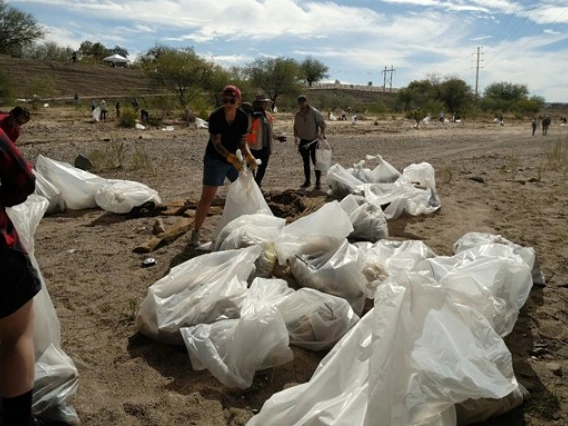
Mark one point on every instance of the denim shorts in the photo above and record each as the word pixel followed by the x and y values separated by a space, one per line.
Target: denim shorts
pixel 215 171
pixel 20 281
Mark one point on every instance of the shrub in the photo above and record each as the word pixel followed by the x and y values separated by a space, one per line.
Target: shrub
pixel 127 118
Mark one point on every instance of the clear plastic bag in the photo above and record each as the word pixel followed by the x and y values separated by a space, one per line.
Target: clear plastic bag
pixel 323 156
pixel 316 320
pixel 338 272
pixel 50 192
pixel 56 377
pixel 368 220
pixel 312 233
pixel 232 350
pixel 342 183
pixel 243 197
pixel 202 290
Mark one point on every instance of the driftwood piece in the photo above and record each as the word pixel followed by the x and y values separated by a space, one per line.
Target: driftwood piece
pixel 180 227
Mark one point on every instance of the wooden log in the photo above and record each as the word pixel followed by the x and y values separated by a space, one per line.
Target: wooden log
pixel 180 227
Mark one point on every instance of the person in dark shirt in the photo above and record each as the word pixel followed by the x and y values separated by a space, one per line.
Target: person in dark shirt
pixel 19 283
pixel 228 126
pixel 11 123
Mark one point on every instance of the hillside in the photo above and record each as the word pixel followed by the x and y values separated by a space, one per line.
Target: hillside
pixel 66 79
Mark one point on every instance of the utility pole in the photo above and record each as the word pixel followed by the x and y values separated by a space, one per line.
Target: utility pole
pixel 385 71
pixel 477 71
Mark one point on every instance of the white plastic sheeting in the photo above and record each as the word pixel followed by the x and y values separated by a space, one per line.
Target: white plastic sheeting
pixel 121 196
pixel 77 186
pixel 243 197
pixel 337 272
pixel 313 234
pixel 316 320
pixel 200 123
pixel 80 189
pixel 232 350
pixel 368 220
pixel 50 192
pixel 56 377
pixel 202 290
pixel 384 172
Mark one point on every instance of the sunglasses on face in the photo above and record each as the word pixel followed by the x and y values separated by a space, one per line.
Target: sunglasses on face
pixel 231 101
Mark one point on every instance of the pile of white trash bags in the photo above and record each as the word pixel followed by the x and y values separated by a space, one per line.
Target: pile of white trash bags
pixel 413 191
pixel 430 352
pixel 67 187
pixel 56 377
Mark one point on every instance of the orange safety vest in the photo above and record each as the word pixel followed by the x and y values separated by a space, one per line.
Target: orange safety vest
pixel 252 135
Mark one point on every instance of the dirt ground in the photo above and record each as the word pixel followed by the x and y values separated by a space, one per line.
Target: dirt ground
pixel 489 178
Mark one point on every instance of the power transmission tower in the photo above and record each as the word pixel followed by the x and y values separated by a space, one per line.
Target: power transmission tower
pixel 385 71
pixel 477 71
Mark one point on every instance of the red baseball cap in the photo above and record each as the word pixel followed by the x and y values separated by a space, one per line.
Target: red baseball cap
pixel 232 90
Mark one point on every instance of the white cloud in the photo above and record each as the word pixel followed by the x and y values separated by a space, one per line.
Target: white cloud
pixel 552 32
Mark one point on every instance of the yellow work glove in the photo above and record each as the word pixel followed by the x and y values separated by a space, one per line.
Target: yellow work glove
pixel 239 165
pixel 251 161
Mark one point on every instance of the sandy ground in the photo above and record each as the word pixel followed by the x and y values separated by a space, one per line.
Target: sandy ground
pixel 96 280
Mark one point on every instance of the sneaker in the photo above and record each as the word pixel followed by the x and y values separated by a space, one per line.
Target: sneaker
pixel 306 184
pixel 318 185
pixel 194 240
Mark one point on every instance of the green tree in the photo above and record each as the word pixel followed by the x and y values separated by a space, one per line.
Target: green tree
pixel 93 52
pixel 456 95
pixel 506 91
pixel 119 51
pixel 17 30
pixel 275 76
pixel 48 51
pixel 312 70
pixel 180 71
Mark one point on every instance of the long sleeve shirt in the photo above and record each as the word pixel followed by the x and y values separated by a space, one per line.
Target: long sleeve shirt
pixel 17 181
pixel 306 124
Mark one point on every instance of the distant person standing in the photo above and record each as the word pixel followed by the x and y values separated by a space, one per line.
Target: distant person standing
pixel 103 110
pixel 11 123
pixel 534 125
pixel 545 125
pixel 93 105
pixel 261 135
pixel 76 100
pixel 117 107
pixel 135 104
pixel 309 127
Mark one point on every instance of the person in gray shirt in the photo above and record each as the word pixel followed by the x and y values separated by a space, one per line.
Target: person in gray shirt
pixel 309 127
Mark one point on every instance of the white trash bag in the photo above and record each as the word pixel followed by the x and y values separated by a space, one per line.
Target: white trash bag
pixel 368 220
pixel 232 350
pixel 313 233
pixel 248 230
pixel 50 192
pixel 78 187
pixel 480 239
pixel 202 290
pixel 56 377
pixel 243 197
pixel 316 320
pixel 121 196
pixel 342 183
pixel 337 272
pixel 323 156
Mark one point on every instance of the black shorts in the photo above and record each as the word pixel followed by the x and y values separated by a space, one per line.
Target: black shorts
pixel 19 281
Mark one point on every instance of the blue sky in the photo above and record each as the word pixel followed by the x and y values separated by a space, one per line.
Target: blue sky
pixel 521 41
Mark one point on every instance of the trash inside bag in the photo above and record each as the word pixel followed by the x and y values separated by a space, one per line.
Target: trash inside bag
pixel 337 272
pixel 121 196
pixel 202 290
pixel 342 183
pixel 232 350
pixel 316 320
pixel 312 234
pixel 368 220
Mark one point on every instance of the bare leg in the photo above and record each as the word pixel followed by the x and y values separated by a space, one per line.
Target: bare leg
pixel 17 357
pixel 207 196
